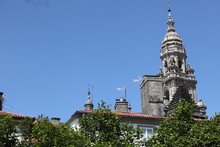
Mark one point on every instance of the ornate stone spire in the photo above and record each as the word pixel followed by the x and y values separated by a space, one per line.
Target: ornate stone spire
pixel 189 69
pixel 170 22
pixel 172 53
pixel 88 105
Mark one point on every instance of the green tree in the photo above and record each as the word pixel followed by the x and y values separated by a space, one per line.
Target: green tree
pixel 46 134
pixel 174 130
pixel 181 129
pixel 8 131
pixel 40 133
pixel 104 128
pixel 206 133
pixel 25 131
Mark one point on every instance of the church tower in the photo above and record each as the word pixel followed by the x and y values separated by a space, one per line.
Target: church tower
pixel 157 91
pixel 173 57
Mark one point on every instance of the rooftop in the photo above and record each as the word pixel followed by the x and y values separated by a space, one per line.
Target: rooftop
pixel 14 115
pixel 123 114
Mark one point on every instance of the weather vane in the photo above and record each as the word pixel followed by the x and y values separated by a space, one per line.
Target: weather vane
pixel 123 90
pixel 139 80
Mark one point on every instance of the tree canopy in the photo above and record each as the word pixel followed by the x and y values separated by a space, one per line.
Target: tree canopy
pixel 182 129
pixel 101 127
pixel 8 131
pixel 104 128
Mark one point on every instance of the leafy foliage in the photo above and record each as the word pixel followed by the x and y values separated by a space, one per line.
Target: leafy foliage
pixel 44 133
pixel 25 131
pixel 181 129
pixel 104 128
pixel 8 131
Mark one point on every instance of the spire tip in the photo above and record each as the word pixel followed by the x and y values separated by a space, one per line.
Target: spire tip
pixel 169 10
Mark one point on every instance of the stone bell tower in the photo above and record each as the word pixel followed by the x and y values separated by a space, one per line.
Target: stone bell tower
pixel 157 90
pixel 174 70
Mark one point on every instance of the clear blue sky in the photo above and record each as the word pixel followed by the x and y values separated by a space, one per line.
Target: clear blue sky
pixel 51 50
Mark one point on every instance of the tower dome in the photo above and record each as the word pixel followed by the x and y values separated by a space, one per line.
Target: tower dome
pixel 201 104
pixel 88 102
pixel 88 105
pixel 171 35
pixel 201 110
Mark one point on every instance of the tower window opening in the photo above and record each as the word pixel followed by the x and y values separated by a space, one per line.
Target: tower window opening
pixel 165 64
pixel 166 97
pixel 180 63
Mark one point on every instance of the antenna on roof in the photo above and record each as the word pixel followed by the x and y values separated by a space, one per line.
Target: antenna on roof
pixel 139 80
pixel 123 90
pixel 92 94
pixel 3 103
pixel 91 89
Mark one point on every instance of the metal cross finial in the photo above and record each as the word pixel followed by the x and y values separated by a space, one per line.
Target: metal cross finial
pixel 169 13
pixel 170 22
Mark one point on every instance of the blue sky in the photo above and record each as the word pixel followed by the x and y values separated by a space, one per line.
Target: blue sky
pixel 52 50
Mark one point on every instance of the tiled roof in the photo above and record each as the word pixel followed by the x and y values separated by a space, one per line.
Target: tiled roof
pixel 14 115
pixel 126 114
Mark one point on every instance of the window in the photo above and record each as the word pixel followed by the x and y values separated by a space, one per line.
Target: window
pixel 147 132
pixel 166 97
pixel 165 64
pixel 180 63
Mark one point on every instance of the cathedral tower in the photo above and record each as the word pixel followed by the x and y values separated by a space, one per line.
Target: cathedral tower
pixel 173 57
pixel 157 90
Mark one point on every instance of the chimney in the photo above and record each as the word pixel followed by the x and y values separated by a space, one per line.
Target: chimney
pixel 121 105
pixel 55 120
pixel 1 101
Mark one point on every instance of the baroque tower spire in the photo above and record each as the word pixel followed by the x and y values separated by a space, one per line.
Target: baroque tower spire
pixel 170 22
pixel 157 91
pixel 173 56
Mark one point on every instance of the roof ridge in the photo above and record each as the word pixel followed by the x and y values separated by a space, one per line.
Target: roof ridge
pixel 14 114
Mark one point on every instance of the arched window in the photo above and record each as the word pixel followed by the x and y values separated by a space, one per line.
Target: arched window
pixel 166 97
pixel 165 64
pixel 180 63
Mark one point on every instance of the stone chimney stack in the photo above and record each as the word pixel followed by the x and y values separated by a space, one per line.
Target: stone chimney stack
pixel 1 101
pixel 121 105
pixel 55 120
